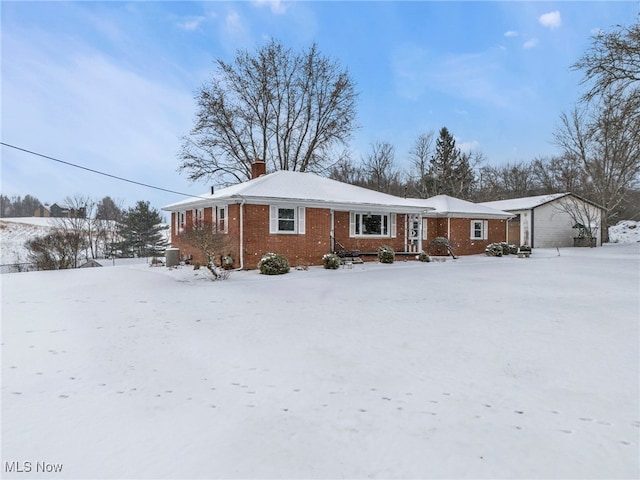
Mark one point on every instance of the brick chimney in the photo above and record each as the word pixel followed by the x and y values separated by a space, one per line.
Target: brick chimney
pixel 258 168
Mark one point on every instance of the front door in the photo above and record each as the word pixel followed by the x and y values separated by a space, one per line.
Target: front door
pixel 414 237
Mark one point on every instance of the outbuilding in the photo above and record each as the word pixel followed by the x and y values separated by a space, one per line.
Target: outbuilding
pixel 556 220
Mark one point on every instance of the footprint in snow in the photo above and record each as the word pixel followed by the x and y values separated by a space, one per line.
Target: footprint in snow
pixel 585 419
pixel 566 431
pixel 63 396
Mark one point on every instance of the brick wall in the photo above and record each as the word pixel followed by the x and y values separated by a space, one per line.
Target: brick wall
pixel 299 249
pixel 309 248
pixel 460 231
pixel 341 229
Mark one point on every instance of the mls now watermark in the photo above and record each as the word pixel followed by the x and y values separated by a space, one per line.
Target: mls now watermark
pixel 32 467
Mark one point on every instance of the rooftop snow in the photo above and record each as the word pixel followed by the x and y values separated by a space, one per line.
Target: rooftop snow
pixel 300 187
pixel 523 203
pixel 451 206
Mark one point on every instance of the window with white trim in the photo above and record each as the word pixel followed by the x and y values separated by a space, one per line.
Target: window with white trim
pixel 198 216
pixel 180 221
pixel 479 229
pixel 286 219
pixel 372 224
pixel 223 225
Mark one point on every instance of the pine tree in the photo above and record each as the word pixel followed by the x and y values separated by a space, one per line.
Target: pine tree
pixel 140 230
pixel 450 171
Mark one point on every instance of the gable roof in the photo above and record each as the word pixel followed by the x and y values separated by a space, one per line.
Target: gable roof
pixel 447 206
pixel 529 203
pixel 301 188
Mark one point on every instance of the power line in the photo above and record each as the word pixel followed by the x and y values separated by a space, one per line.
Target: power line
pixel 98 172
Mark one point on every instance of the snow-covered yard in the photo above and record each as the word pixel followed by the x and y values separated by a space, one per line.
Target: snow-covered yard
pixel 476 368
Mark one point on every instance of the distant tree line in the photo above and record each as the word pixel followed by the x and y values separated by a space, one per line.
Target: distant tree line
pixel 18 206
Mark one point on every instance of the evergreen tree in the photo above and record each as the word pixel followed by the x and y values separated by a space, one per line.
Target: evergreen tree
pixel 141 231
pixel 450 171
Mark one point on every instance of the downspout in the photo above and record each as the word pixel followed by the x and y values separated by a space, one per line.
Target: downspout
pixel 242 233
pixel 241 267
pixel 449 228
pixel 532 227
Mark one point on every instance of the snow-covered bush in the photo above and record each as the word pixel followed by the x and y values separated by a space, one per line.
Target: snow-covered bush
pixel 331 261
pixel 500 249
pixel 274 264
pixel 386 254
pixel 524 249
pixel 424 257
pixel 493 250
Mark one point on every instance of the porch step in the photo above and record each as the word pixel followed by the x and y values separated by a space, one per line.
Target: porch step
pixel 352 260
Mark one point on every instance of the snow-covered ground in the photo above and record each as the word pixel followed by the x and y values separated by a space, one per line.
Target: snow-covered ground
pixel 625 231
pixel 16 231
pixel 474 368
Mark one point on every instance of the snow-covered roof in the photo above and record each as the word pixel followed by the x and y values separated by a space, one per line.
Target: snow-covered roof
pixel 444 205
pixel 524 203
pixel 302 188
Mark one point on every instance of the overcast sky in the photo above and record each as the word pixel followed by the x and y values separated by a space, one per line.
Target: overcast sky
pixel 110 85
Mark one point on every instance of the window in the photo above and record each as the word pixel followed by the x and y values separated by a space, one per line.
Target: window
pixel 286 219
pixel 479 229
pixel 372 224
pixel 180 221
pixel 222 220
pixel 198 216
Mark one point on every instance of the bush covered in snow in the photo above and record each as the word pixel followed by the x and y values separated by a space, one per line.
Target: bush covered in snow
pixel 424 257
pixel 500 249
pixel 274 264
pixel 386 254
pixel 331 261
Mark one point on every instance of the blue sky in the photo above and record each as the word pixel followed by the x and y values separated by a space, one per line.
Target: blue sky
pixel 110 85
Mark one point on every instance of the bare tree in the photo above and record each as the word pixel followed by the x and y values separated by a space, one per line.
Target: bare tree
pixel 420 156
pixel 612 62
pixel 290 108
pixel 605 136
pixel 211 243
pixel 55 251
pixel 585 216
pixel 380 171
pixel 78 227
pixel 564 173
pixel 510 180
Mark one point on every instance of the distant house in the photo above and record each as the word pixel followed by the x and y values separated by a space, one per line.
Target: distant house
pixel 58 211
pixel 304 216
pixel 550 220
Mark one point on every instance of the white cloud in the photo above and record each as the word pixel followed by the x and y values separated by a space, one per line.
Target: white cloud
pixel 191 24
pixel 468 146
pixel 551 20
pixel 511 33
pixel 88 109
pixel 530 43
pixel 277 6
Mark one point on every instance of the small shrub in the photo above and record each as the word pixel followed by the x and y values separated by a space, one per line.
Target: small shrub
pixel 493 250
pixel 524 249
pixel 424 257
pixel 331 261
pixel 386 254
pixel 196 265
pixel 274 264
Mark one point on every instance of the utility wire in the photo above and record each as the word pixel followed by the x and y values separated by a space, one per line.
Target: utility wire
pixel 98 172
